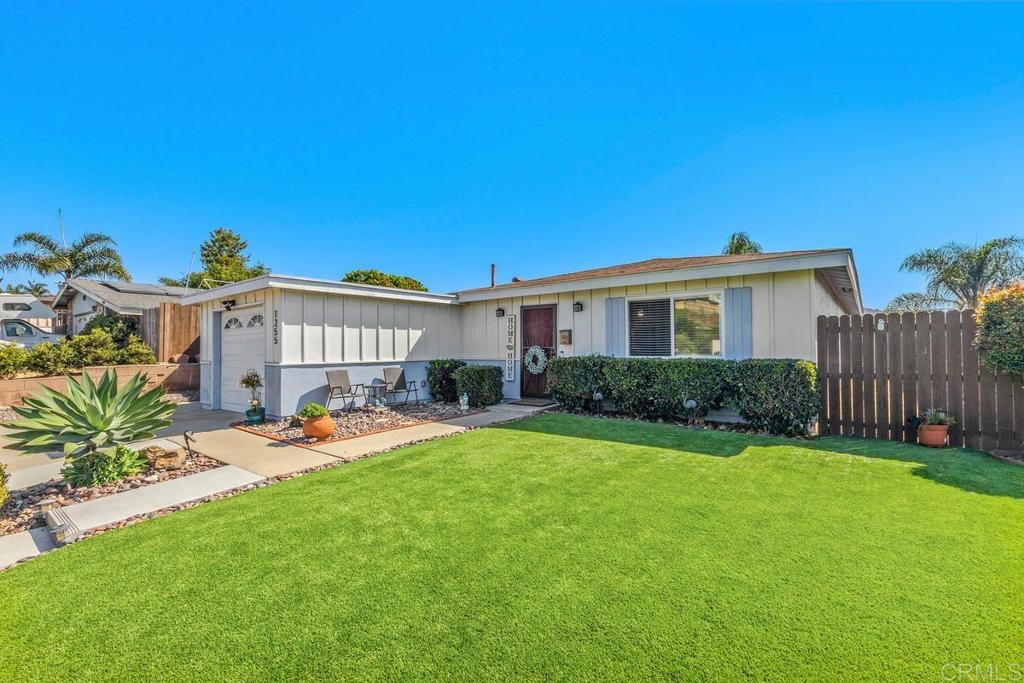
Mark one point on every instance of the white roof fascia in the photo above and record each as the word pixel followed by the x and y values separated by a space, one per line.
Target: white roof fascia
pixel 305 284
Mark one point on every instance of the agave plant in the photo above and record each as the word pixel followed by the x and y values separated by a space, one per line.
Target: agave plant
pixel 92 417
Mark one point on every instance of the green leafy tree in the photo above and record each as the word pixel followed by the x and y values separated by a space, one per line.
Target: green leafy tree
pixel 959 274
pixel 224 259
pixel 93 255
pixel 740 243
pixel 381 279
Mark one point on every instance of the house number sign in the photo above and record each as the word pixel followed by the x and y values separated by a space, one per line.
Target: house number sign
pixel 275 327
pixel 510 348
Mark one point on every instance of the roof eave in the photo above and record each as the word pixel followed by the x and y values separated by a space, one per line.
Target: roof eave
pixel 838 257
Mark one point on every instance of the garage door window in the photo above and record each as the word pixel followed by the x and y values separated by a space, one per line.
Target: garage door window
pixel 255 321
pixel 232 324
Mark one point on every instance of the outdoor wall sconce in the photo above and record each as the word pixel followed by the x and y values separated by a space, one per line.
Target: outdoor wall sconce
pixel 499 312
pixel 578 307
pixel 227 304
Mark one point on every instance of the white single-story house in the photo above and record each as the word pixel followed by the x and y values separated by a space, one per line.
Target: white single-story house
pixel 293 329
pixel 79 300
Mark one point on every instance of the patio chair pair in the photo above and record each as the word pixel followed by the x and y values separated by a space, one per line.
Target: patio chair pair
pixel 341 387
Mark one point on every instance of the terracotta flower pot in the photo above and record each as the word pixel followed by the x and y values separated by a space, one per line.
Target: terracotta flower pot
pixel 318 428
pixel 932 435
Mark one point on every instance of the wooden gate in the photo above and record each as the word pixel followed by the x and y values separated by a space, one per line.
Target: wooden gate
pixel 171 329
pixel 876 371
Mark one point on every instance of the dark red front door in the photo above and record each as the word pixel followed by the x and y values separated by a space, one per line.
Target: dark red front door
pixel 538 330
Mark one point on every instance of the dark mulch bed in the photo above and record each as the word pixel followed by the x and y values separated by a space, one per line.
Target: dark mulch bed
pixel 359 422
pixel 23 509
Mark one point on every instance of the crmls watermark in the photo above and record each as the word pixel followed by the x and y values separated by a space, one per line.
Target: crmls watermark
pixel 982 672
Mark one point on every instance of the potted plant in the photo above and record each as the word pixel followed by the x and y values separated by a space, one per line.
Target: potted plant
pixel 317 422
pixel 252 381
pixel 934 428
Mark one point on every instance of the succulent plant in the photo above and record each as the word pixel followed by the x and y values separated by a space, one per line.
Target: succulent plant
pixel 90 417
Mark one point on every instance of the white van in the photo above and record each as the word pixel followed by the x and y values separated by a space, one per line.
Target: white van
pixel 24 333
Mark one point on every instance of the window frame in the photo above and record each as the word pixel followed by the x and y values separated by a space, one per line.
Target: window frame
pixel 672 298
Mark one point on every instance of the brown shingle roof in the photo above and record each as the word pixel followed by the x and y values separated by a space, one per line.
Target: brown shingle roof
pixel 653 265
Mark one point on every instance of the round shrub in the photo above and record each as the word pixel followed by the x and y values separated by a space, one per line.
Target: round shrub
pixel 1000 338
pixel 13 361
pixel 311 410
pixel 95 348
pixel 101 467
pixel 441 379
pixel 119 327
pixel 52 359
pixel 482 383
pixel 135 352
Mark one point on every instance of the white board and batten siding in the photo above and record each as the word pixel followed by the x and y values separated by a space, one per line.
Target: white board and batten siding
pixel 770 315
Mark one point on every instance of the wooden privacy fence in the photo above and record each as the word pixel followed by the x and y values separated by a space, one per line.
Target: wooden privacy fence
pixel 876 371
pixel 171 329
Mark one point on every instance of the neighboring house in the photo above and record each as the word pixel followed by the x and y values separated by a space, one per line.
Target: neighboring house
pixel 78 301
pixel 293 329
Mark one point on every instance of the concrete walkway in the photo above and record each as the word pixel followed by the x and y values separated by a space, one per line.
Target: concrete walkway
pixel 351 449
pixel 141 501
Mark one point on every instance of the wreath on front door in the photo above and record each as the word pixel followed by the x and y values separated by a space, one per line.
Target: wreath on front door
pixel 536 359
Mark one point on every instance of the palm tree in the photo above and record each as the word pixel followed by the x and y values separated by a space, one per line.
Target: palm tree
pixel 958 274
pixel 91 255
pixel 36 289
pixel 740 243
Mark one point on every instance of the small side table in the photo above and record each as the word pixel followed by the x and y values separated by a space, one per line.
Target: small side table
pixel 376 394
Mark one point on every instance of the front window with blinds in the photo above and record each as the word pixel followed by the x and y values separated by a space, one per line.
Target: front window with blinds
pixel 650 328
pixel 697 326
pixel 684 326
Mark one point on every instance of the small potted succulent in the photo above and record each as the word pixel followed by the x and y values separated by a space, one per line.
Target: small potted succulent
pixel 934 428
pixel 317 422
pixel 252 381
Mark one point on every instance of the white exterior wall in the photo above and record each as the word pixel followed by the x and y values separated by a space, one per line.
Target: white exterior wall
pixel 309 328
pixel 81 311
pixel 784 306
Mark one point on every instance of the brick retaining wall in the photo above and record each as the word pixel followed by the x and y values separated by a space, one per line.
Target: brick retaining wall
pixel 172 376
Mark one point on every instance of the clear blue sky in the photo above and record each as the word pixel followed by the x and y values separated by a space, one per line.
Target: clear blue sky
pixel 433 141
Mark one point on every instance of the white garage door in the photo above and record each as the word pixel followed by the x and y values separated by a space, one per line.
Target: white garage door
pixel 241 349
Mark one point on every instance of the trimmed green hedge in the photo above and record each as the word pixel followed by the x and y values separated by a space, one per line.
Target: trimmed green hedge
pixel 96 347
pixel 776 396
pixel 441 378
pixel 482 383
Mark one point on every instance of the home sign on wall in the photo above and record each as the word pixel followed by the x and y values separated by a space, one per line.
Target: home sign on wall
pixel 510 348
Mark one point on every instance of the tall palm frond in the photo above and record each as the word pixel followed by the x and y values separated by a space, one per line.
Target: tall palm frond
pixel 91 255
pixel 958 274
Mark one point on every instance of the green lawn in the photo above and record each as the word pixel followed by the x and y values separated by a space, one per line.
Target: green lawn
pixel 556 548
